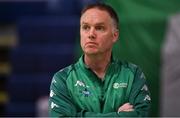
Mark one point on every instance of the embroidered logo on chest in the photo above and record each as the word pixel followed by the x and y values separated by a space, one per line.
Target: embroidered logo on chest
pixel 83 88
pixel 80 83
pixel 119 85
pixel 85 92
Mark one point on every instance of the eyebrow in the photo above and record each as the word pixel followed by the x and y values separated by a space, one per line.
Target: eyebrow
pixel 101 23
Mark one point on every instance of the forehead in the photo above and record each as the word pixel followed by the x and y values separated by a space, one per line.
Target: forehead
pixel 95 15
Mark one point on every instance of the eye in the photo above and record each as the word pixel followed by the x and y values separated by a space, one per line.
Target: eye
pixel 100 28
pixel 85 27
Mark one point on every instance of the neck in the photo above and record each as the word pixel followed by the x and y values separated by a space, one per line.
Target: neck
pixel 98 63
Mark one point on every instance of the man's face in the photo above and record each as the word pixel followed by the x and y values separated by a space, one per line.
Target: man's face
pixel 97 31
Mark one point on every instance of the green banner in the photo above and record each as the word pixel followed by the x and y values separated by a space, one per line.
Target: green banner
pixel 143 26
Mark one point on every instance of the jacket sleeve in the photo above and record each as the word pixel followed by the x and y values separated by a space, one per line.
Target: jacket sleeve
pixel 60 103
pixel 140 95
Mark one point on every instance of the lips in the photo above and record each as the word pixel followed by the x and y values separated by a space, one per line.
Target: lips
pixel 91 43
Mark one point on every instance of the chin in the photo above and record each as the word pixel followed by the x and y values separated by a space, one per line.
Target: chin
pixel 91 52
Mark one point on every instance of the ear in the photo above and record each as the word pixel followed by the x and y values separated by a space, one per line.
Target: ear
pixel 115 35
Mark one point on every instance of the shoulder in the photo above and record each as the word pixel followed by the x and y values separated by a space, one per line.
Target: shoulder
pixel 64 72
pixel 132 68
pixel 139 76
pixel 125 65
pixel 59 78
pixel 138 72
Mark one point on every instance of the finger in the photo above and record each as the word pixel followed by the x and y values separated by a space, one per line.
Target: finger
pixel 125 107
pixel 120 109
pixel 127 110
pixel 126 103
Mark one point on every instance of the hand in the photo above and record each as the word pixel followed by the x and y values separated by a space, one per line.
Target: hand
pixel 126 107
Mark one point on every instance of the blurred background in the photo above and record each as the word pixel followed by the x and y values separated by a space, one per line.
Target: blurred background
pixel 39 37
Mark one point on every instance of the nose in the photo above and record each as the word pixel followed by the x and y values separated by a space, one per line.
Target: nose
pixel 92 34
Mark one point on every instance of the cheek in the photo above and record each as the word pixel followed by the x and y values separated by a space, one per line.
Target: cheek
pixel 82 42
pixel 106 40
pixel 106 43
pixel 82 36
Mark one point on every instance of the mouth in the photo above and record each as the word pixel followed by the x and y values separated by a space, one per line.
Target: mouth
pixel 91 44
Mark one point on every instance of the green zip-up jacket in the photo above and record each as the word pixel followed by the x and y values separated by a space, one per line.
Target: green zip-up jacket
pixel 77 91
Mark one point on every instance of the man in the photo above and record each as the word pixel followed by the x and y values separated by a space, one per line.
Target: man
pixel 98 85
